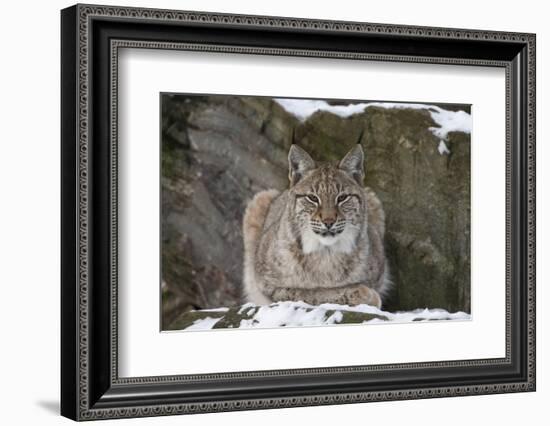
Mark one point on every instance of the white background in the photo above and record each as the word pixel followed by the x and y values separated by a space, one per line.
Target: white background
pixel 29 225
pixel 146 352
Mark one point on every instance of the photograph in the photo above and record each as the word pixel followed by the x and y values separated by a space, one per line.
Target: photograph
pixel 289 212
pixel 266 209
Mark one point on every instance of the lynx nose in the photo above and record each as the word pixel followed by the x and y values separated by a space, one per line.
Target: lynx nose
pixel 329 221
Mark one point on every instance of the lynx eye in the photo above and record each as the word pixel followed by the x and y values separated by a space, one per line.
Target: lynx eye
pixel 312 198
pixel 342 198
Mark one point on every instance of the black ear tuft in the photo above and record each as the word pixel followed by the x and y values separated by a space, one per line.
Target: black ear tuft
pixel 360 136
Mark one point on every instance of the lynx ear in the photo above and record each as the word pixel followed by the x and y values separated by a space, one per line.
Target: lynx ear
pixel 299 162
pixel 352 164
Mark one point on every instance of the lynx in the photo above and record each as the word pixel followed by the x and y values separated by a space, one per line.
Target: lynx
pixel 320 240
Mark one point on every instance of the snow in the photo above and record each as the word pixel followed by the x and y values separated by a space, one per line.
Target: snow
pixel 297 314
pixel 442 148
pixel 203 323
pixel 245 307
pixel 289 314
pixel 336 317
pixel 305 108
pixel 448 121
pixel 215 310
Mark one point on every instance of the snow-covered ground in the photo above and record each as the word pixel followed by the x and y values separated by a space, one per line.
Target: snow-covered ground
pixel 296 314
pixel 448 121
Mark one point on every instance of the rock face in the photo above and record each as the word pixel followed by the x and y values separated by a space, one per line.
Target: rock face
pixel 218 151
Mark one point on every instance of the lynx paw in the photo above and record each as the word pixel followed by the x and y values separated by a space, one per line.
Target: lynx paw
pixel 365 295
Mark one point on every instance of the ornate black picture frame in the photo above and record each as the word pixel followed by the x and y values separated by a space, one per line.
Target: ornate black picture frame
pixel 90 385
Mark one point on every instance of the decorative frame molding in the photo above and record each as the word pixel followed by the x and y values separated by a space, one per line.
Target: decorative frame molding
pixel 91 37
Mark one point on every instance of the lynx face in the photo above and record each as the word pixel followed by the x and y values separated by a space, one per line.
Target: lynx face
pixel 329 200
